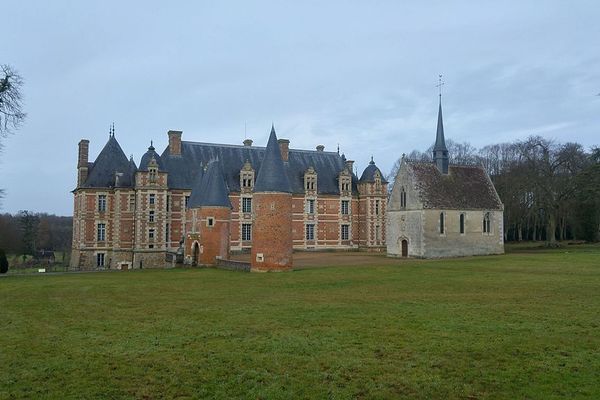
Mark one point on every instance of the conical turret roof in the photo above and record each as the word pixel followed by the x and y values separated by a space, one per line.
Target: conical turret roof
pixel 211 189
pixel 272 176
pixel 111 160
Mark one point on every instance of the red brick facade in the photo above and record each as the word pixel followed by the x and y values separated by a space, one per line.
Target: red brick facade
pixel 145 225
pixel 272 242
pixel 210 234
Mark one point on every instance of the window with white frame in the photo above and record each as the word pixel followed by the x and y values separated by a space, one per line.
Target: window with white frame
pixel 151 233
pixel 151 216
pixel 132 202
pixel 151 198
pixel 310 232
pixel 377 206
pixel 101 232
pixel 100 259
pixel 187 200
pixel 345 207
pixel 168 205
pixel 246 204
pixel 167 233
pixel 345 232
pixel 310 206
pixel 246 232
pixel 101 203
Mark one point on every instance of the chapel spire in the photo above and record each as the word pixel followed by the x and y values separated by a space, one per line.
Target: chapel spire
pixel 440 151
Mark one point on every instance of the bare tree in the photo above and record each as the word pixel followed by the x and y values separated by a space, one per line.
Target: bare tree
pixel 11 114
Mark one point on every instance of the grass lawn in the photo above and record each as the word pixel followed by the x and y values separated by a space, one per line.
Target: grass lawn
pixel 521 326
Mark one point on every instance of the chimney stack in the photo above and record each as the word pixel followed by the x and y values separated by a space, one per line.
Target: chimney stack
pixel 284 148
pixel 82 162
pixel 320 147
pixel 84 148
pixel 248 142
pixel 175 143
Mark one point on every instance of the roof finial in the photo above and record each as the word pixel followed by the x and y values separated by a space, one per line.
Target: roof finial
pixel 439 85
pixel 372 162
pixel 338 148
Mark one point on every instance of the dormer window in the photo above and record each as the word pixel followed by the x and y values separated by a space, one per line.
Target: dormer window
pixel 247 177
pixel 345 182
pixel 377 181
pixel 152 169
pixel 247 181
pixel 153 173
pixel 310 180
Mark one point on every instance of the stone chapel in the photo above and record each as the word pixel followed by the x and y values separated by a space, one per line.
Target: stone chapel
pixel 438 209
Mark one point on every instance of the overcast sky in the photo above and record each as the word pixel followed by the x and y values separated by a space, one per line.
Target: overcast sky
pixel 361 74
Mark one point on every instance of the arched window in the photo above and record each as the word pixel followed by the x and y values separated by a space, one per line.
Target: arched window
pixel 462 223
pixel 402 197
pixel 486 223
pixel 442 228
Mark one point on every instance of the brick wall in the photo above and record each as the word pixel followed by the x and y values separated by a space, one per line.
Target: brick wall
pixel 272 244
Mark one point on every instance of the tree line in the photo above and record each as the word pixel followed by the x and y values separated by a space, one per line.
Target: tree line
pixel 550 190
pixel 26 232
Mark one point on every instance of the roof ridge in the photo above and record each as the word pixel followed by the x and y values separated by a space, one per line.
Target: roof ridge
pixel 241 146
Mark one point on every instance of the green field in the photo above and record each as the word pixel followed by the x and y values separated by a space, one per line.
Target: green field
pixel 521 326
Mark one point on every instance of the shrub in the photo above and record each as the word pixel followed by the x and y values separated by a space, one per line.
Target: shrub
pixel 3 262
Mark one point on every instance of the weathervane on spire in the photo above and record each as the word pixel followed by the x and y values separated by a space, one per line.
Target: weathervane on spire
pixel 439 85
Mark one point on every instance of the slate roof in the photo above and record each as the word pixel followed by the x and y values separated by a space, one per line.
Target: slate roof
pixel 110 162
pixel 212 190
pixel 465 187
pixel 197 186
pixel 440 142
pixel 184 168
pixel 148 156
pixel 368 174
pixel 272 176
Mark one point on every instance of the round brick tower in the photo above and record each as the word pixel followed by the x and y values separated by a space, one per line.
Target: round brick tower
pixel 272 230
pixel 213 215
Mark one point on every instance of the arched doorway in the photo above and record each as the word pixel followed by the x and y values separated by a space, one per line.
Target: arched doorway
pixel 195 253
pixel 404 248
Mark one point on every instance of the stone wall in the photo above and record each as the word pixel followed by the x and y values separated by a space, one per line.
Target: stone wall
pixel 452 243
